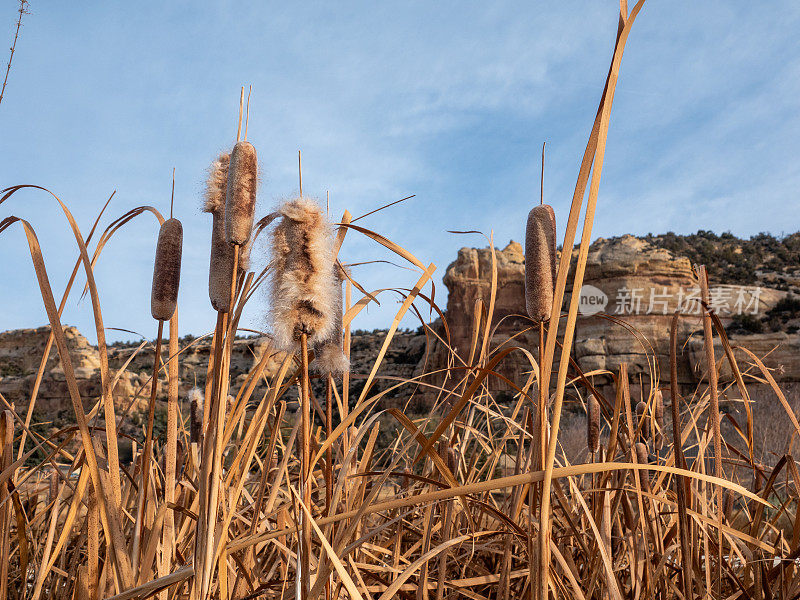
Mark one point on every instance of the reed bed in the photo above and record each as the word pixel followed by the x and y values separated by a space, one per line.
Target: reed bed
pixel 282 495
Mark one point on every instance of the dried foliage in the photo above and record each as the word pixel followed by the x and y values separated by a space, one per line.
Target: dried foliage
pixel 447 504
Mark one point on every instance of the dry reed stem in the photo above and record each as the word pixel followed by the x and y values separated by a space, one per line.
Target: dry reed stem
pixel 714 415
pixel 596 156
pixel 680 462
pixel 148 450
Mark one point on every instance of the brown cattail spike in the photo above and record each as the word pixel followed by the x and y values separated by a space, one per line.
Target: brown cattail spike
pixel 303 284
pixel 220 271
pixel 593 424
pixel 540 262
pixel 643 458
pixel 241 193
pixel 167 270
pixel 196 408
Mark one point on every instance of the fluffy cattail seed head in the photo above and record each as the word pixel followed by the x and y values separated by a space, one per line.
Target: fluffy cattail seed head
pixel 303 283
pixel 643 458
pixel 593 424
pixel 329 355
pixel 196 426
pixel 167 270
pixel 540 262
pixel 220 272
pixel 642 417
pixel 241 193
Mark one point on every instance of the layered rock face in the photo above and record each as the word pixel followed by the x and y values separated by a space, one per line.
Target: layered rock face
pixel 631 289
pixel 21 351
pixel 469 284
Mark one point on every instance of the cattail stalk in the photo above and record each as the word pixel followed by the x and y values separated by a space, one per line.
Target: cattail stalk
pixel 239 211
pixel 679 481
pixel 305 472
pixel 540 275
pixel 642 457
pixel 304 308
pixel 196 416
pixel 163 301
pixel 593 424
pixel 708 338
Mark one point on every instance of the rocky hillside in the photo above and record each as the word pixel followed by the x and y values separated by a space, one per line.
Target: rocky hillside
pixel 637 283
pixel 629 283
pixel 21 351
pixel 761 260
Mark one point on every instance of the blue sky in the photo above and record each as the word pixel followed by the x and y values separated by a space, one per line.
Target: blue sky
pixel 449 101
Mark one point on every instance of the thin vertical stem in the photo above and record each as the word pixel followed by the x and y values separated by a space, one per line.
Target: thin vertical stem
pixel 680 462
pixel 714 413
pixel 328 461
pixel 247 116
pixel 541 188
pixel 300 172
pixel 305 456
pixel 241 107
pixel 148 449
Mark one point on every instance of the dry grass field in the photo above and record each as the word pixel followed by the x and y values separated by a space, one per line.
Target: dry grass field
pixel 267 497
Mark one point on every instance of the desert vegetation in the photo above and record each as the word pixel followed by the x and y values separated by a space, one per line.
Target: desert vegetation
pixel 295 494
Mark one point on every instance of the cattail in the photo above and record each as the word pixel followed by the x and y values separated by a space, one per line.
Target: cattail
pixel 167 270
pixel 52 490
pixel 452 460
pixel 180 457
pixel 303 284
pixel 196 426
pixel 240 199
pixel 593 424
pixel 540 262
pixel 641 417
pixel 643 458
pixel 329 355
pixel 220 272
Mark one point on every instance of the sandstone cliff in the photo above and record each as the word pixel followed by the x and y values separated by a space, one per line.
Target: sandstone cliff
pixel 639 286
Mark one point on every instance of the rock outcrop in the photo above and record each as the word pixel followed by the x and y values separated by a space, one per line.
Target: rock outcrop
pixel 631 289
